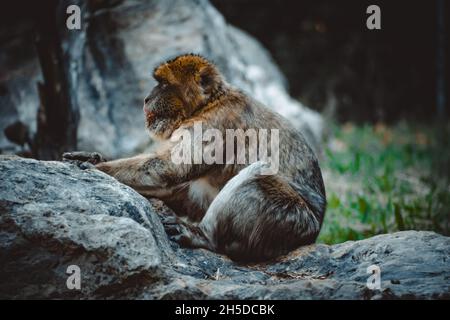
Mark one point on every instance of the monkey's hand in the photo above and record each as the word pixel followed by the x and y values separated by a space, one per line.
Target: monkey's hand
pixel 83 159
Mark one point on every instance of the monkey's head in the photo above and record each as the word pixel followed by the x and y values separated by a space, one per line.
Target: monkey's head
pixel 186 84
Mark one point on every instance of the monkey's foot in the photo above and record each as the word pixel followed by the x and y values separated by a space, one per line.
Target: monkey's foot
pixel 185 234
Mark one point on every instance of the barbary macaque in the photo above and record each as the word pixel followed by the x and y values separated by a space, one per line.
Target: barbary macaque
pixel 243 210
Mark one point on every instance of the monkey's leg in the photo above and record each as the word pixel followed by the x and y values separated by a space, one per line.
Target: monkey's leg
pixel 205 234
pixel 257 217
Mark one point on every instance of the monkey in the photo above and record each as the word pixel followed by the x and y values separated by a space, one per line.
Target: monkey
pixel 229 208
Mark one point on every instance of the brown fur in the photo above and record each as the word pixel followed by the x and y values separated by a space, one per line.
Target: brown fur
pixel 257 218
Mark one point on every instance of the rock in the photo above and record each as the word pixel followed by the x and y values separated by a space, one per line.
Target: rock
pixel 123 42
pixel 53 215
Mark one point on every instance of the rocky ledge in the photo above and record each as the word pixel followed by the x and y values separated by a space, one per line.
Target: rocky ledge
pixel 54 215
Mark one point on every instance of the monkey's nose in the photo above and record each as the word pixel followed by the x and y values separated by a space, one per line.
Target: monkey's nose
pixel 147 99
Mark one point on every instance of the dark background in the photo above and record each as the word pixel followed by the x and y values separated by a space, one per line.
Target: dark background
pixel 334 63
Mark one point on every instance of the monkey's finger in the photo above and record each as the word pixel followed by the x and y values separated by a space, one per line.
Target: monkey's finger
pixel 86 165
pixel 96 158
pixel 83 165
pixel 172 228
pixel 168 219
pixel 74 162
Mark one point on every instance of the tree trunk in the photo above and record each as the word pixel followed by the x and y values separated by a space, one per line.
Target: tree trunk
pixel 58 113
pixel 440 60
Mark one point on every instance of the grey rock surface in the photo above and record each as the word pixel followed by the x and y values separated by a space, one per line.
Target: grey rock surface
pixel 53 215
pixel 123 42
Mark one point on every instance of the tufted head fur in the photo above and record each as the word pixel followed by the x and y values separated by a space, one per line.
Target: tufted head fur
pixel 186 84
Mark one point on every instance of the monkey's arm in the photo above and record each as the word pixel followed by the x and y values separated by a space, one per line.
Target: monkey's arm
pixel 152 174
pixel 132 171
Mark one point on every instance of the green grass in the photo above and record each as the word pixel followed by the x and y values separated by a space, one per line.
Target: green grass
pixel 384 179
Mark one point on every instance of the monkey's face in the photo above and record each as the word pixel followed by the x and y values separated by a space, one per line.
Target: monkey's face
pixel 163 109
pixel 185 85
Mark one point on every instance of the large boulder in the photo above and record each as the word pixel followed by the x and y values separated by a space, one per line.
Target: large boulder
pixel 54 215
pixel 121 43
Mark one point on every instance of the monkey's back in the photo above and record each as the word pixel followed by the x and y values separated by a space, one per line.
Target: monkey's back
pixel 297 162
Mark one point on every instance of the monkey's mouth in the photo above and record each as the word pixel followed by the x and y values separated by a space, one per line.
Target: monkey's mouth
pixel 154 122
pixel 150 118
pixel 159 125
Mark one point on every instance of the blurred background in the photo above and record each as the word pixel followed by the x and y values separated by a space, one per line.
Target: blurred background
pixel 332 61
pixel 372 103
pixel 384 94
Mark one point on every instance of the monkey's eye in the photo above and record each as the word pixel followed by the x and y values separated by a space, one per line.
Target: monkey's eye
pixel 163 83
